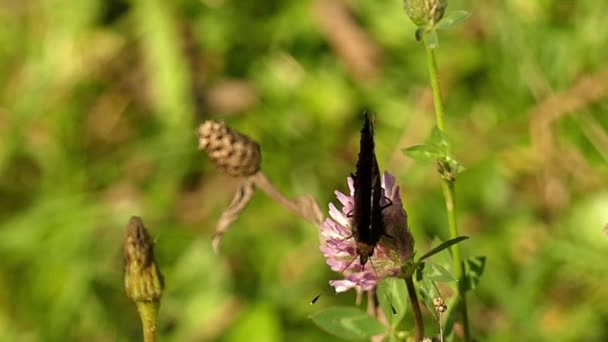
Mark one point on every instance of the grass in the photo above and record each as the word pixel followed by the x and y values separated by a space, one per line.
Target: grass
pixel 99 104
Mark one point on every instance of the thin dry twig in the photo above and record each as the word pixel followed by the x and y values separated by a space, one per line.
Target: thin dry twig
pixel 239 203
pixel 305 206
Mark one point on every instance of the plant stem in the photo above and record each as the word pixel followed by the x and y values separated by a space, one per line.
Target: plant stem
pixel 437 99
pixel 448 194
pixel 411 291
pixel 148 312
pixel 440 327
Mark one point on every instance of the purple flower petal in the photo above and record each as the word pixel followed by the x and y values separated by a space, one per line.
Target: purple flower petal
pixel 339 247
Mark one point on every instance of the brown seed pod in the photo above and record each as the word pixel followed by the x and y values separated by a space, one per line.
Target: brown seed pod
pixel 230 151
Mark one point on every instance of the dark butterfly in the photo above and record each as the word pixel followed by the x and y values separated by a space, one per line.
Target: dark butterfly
pixel 367 224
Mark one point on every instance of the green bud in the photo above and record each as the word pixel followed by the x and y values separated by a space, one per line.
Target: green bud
pixel 143 280
pixel 425 12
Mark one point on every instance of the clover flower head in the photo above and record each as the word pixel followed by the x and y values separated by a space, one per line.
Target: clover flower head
pixel 340 248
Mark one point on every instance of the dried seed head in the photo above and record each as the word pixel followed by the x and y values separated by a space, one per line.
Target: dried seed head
pixel 230 151
pixel 442 308
pixel 143 280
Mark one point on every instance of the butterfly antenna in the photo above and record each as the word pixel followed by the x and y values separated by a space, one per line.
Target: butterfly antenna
pixel 314 300
pixel 373 267
pixel 347 265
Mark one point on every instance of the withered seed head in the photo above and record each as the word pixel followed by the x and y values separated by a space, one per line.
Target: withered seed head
pixel 230 151
pixel 143 280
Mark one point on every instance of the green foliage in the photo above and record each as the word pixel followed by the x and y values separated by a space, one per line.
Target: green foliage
pixel 452 19
pixel 442 246
pixel 348 323
pixel 99 105
pixel 428 291
pixel 437 273
pixel 436 149
pixel 474 270
pixel 392 297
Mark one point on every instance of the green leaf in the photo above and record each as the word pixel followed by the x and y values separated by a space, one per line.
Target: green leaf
pixel 443 246
pixel 446 261
pixel 438 273
pixel 348 323
pixel 431 41
pixel 443 259
pixel 423 153
pixel 436 148
pixel 455 165
pixel 440 141
pixel 428 290
pixel 474 268
pixel 392 295
pixel 420 270
pixel 453 19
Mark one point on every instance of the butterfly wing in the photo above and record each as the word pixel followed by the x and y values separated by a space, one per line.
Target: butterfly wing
pixel 363 179
pixel 377 227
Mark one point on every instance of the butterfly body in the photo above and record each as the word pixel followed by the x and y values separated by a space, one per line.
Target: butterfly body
pixel 367 224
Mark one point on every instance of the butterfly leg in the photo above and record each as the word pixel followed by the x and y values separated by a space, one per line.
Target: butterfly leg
pixel 387 205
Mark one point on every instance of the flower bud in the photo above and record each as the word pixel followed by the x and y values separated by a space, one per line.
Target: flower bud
pixel 143 280
pixel 425 12
pixel 438 301
pixel 230 151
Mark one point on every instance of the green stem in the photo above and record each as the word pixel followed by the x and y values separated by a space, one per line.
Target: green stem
pixel 448 194
pixel 148 312
pixel 437 99
pixel 411 291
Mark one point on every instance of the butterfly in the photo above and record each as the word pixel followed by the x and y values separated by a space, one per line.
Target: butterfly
pixel 367 223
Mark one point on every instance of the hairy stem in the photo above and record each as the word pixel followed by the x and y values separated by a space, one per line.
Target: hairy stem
pixel 448 194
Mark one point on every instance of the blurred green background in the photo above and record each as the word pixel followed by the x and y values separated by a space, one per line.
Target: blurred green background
pixel 99 105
